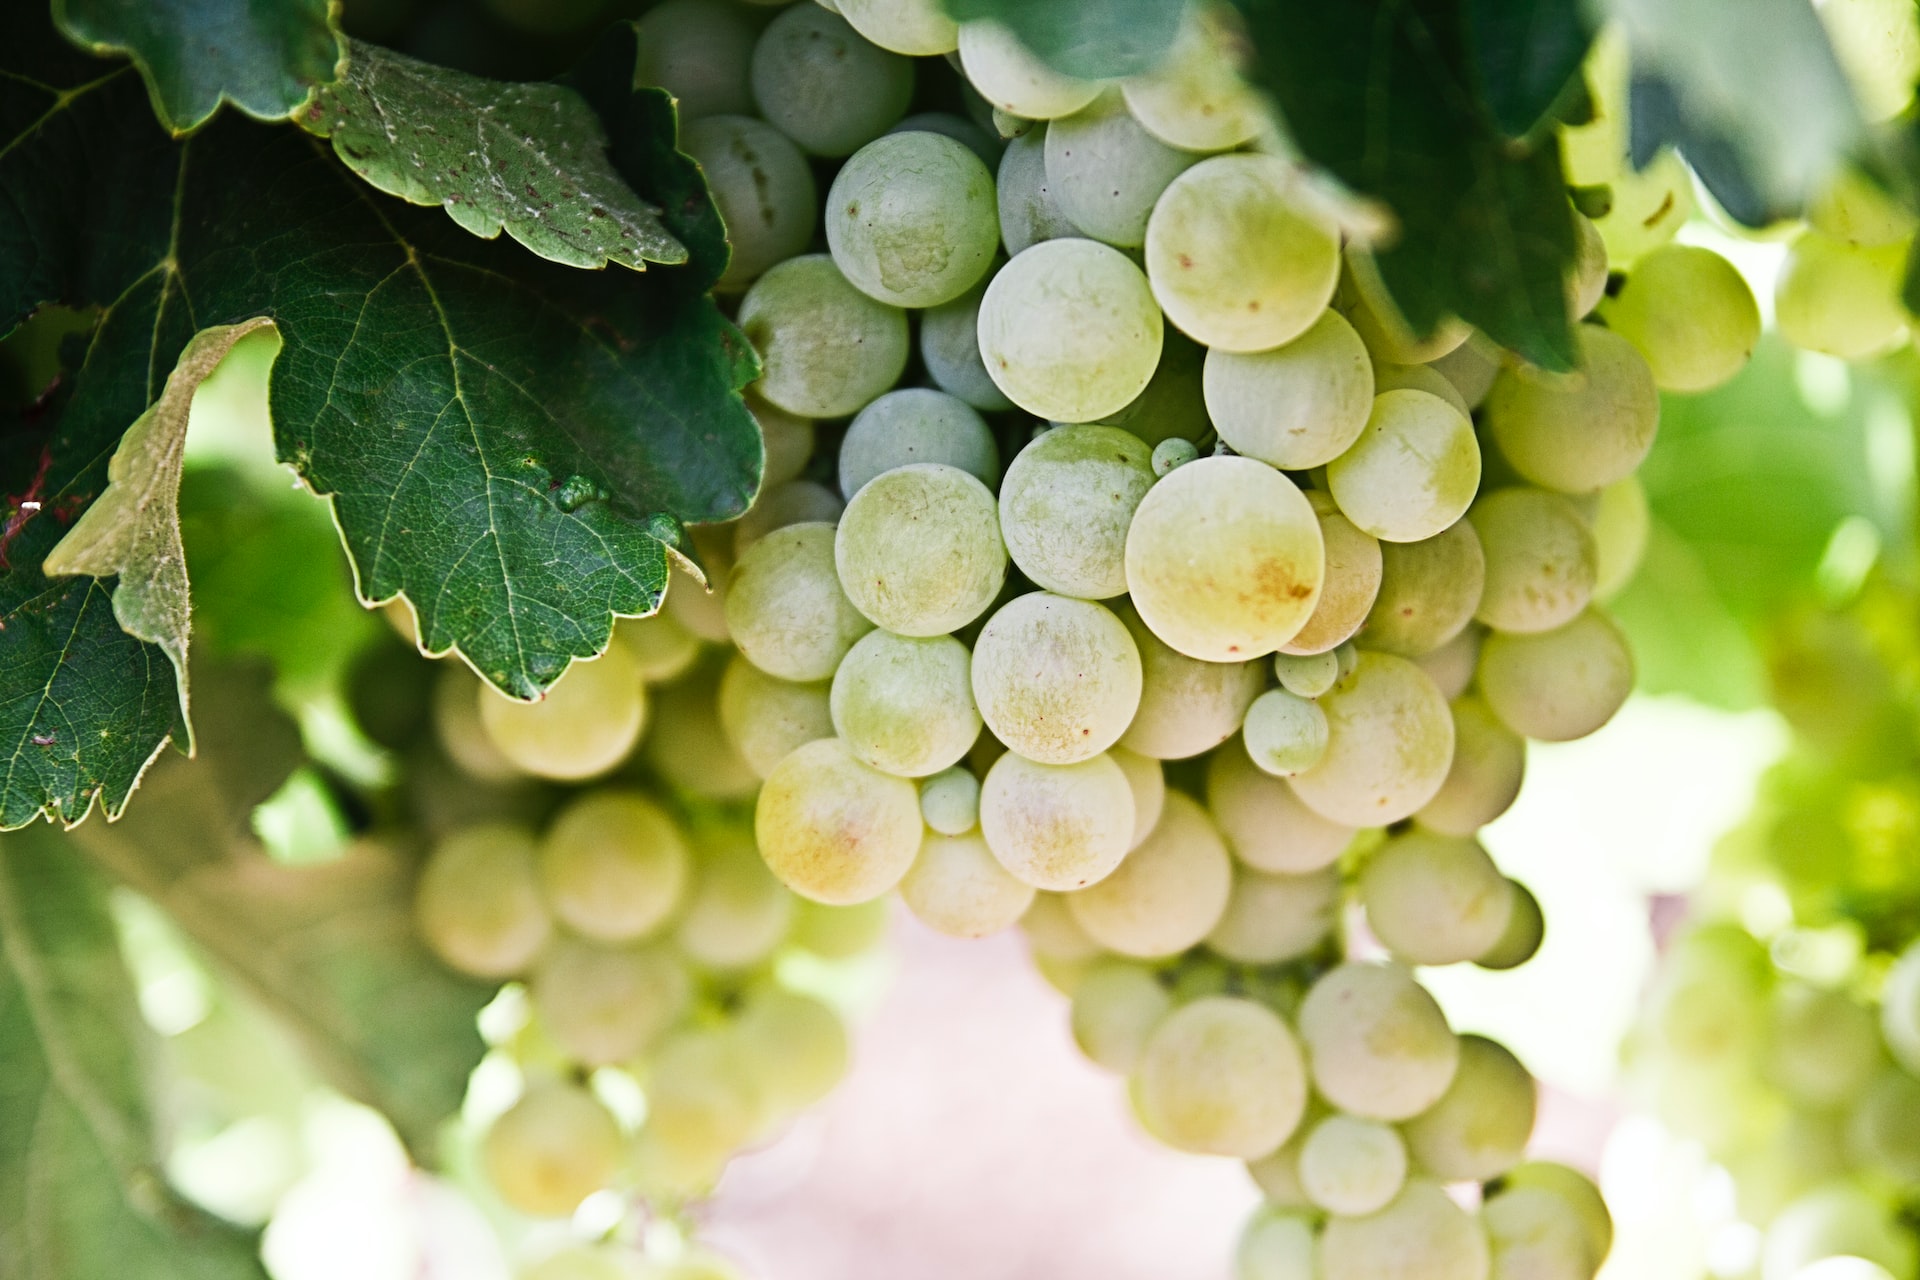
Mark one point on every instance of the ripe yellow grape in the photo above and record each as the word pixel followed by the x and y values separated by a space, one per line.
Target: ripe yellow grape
pixel 1354 563
pixel 1558 685
pixel 1489 761
pixel 835 829
pixel 1429 592
pixel 918 550
pixel 1480 1127
pixel 1412 472
pixel 1057 679
pixel 1295 406
pixel 552 1149
pixel 1434 899
pixel 1065 506
pixel 478 904
pixel 1221 1076
pixel 1378 1043
pixel 826 348
pixel 785 606
pixel 613 865
pixel 904 704
pixel 1690 313
pixel 1577 432
pixel 1842 299
pixel 585 725
pixel 958 888
pixel 1166 895
pixel 1541 559
pixel 1389 744
pixel 1057 826
pixel 1186 706
pixel 1621 522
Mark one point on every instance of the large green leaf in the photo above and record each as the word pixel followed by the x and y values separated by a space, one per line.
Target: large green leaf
pixel 1528 53
pixel 82 1194
pixel 1384 94
pixel 1094 39
pixel 195 54
pixel 527 158
pixel 330 947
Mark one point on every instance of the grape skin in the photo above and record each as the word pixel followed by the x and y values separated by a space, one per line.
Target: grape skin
pixel 785 606
pixel 479 905
pixel 1378 1044
pixel 1265 823
pixel 699 52
pixel 1389 745
pixel 1066 505
pixel 905 704
pixel 950 801
pixel 1221 1076
pixel 1841 299
pixel 1057 826
pixel 917 27
pixel 911 219
pixel 1056 679
pixel 1429 592
pixel 1271 919
pixel 1167 894
pixel 1186 706
pixel 613 865
pixel 1558 685
pixel 958 888
pixel 826 349
pixel 835 829
pixel 916 424
pixel 1106 172
pixel 1114 1010
pixel 1195 99
pixel 1413 471
pixel 1420 1235
pixel 1296 406
pixel 918 549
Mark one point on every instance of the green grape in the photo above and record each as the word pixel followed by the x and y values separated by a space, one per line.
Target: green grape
pixel 1471 367
pixel 1234 260
pixel 697 50
pixel 957 887
pixel 1271 919
pixel 1480 1127
pixel 904 704
pixel 1148 782
pixel 1416 377
pixel 1855 209
pixel 1878 45
pixel 1171 453
pixel 1649 208
pixel 1195 99
pixel 1389 745
pixel 1883 1131
pixel 1306 675
pixel 613 865
pixel 1278 1174
pixel 1577 432
pixel 1352 1166
pixel 1276 1245
pixel 1620 525
pixel 1821 1047
pixel 950 348
pixel 1173 406
pixel 835 829
pixel 1265 823
pixel 962 130
pixel 1558 685
pixel 795 502
pixel 794 1047
pixel 736 913
pixel 1526 930
pixel 762 186
pixel 1842 299
pixel 1690 313
pixel 1489 761
pixel 1058 680
pixel 1115 1008
pixel 950 801
pixel 1029 213
pixel 1434 899
pixel 1420 1235
pixel 1389 337
pixel 1260 541
pixel 1378 1043
pixel 1069 330
pixel 826 349
pixel 478 904
pixel 1221 1076
pixel 1587 281
pixel 1186 706
pixel 1350 583
pixel 659 645
pixel 585 725
pixel 839 932
pixel 818 82
pixel 919 549
pixel 911 219
pixel 1541 560
pixel 688 747
pixel 1053 934
pixel 1284 733
pixel 1167 894
pixel 1534 1233
pixel 1057 826
pixel 785 607
pixel 604 1004
pixel 1014 79
pixel 1413 471
pixel 703 1105
pixel 917 27
pixel 1451 666
pixel 1295 406
pixel 788 440
pixel 1838 1219
pixel 1900 1009
pixel 1105 171
pixel 916 424
pixel 552 1149
pixel 1066 504
pixel 765 717
pixel 1429 592
pixel 1578 1191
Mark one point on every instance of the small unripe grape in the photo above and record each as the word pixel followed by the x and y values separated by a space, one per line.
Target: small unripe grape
pixel 950 801
pixel 1171 453
pixel 835 829
pixel 613 865
pixel 1306 675
pixel 1285 733
pixel 786 608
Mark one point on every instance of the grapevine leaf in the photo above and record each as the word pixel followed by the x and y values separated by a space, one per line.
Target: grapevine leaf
pixel 1528 54
pixel 133 528
pixel 329 947
pixel 1656 119
pixel 1093 39
pixel 82 1192
pixel 527 158
pixel 194 54
pixel 1381 93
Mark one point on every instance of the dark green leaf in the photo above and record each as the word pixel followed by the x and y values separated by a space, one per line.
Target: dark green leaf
pixel 1656 119
pixel 1093 39
pixel 527 158
pixel 1528 54
pixel 82 1193
pixel 196 54
pixel 329 947
pixel 1382 94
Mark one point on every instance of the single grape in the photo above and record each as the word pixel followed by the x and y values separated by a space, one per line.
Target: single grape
pixel 613 865
pixel 699 52
pixel 1577 432
pixel 1029 213
pixel 1350 585
pixel 1842 299
pixel 1533 1232
pixel 1587 281
pixel 1296 406
pixel 834 932
pixel 818 82
pixel 1277 1174
pixel 550 1150
pixel 793 1046
pixel 1413 471
pixel 1421 1235
pixel 478 904
pixel 1057 679
pixel 1389 745
pixel 1014 79
pixel 1186 706
pixel 1195 99
pixel 1690 313
pixel 1489 761
pixel 1542 562
pixel 1620 524
pixel 762 186
pixel 1069 330
pixel 950 801
pixel 1434 899
pixel 1480 1127
pixel 1306 675
pixel 1379 1045
pixel 795 502
pixel 1105 171
pixel 703 1104
pixel 835 829
pixel 736 913
pixel 585 725
pixel 1853 208
pixel 1526 930
pixel 1451 667
pixel 1271 919
pixel 785 606
pixel 1053 934
pixel 958 888
pixel 904 704
pixel 661 648
pixel 1578 1191
pixel 765 717
pixel 1057 826
pixel 911 219
pixel 1171 453
pixel 1351 1166
pixel 606 1004
pixel 1167 894
pixel 1265 823
pixel 1234 260
pixel 1558 685
pixel 1148 782
pixel 1285 733
pixel 1066 504
pixel 1276 1245
pixel 689 749
pixel 1115 1008
pixel 1429 592
pixel 1389 336
pixel 917 27
pixel 1221 1076
pixel 1260 541
pixel 919 549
